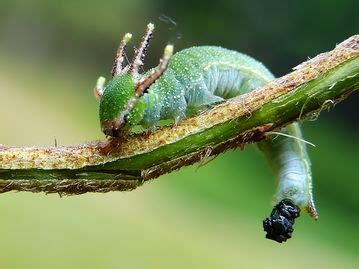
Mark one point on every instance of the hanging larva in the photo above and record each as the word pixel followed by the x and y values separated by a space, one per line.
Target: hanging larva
pixel 188 81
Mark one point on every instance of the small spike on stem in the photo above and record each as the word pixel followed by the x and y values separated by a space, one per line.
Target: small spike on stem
pixel 117 65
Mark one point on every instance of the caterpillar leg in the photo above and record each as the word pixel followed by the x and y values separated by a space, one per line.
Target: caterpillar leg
pixel 289 160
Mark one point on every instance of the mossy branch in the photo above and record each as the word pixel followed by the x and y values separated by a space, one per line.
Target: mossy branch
pixel 124 164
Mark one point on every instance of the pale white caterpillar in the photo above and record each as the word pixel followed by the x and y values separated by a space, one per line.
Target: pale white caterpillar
pixel 290 162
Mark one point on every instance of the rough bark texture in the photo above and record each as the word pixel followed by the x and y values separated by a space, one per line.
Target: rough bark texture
pixel 124 164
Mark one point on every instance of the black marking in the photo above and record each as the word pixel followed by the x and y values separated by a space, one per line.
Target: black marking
pixel 279 226
pixel 125 118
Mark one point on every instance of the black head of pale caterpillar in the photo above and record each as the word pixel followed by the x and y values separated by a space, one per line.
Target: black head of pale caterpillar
pixel 279 226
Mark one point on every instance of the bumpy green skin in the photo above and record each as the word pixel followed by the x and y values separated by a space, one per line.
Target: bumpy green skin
pixel 201 76
pixel 117 92
pixel 195 77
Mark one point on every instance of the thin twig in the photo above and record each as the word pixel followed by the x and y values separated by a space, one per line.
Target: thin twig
pixel 114 164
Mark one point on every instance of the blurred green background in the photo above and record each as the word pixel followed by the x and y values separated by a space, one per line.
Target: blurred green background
pixel 51 53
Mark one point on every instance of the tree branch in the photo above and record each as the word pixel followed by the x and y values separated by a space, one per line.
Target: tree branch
pixel 115 164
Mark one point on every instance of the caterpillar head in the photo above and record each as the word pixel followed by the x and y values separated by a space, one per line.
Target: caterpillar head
pixel 119 106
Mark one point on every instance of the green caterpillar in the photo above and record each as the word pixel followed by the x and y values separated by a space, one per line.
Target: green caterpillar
pixel 184 84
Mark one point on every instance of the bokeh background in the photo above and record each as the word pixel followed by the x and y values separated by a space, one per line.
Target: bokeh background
pixel 51 53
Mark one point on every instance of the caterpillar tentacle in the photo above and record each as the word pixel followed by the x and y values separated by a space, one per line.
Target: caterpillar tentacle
pixel 120 55
pixel 99 88
pixel 146 82
pixel 140 52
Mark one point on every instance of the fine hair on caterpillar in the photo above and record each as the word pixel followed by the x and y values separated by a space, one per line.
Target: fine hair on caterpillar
pixel 291 136
pixel 188 82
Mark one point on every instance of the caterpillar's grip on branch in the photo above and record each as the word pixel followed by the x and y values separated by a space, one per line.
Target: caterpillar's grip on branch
pixel 190 81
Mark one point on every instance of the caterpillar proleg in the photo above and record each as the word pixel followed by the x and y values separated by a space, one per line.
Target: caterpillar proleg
pixel 184 84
